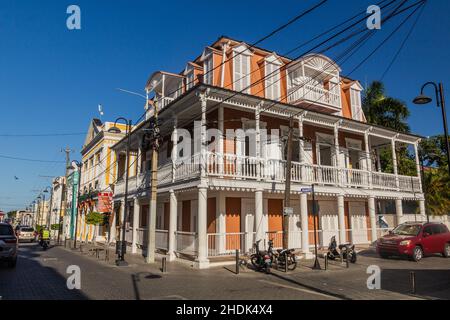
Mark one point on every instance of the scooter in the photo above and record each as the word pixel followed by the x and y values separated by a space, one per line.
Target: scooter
pixel 279 256
pixel 261 260
pixel 44 243
pixel 345 250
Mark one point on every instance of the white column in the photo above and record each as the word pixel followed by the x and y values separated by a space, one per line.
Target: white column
pixel 174 153
pixel 221 222
pixel 259 223
pixel 112 227
pixel 336 151
pixel 172 225
pixel 202 259
pixel 304 223
pixel 258 142
pixel 399 210
pixel 301 148
pixel 422 210
pixel 137 210
pixel 368 160
pixel 138 161
pixel 220 147
pixel 394 162
pixel 372 217
pixel 378 160
pixel 203 136
pixel 341 219
pixel 419 175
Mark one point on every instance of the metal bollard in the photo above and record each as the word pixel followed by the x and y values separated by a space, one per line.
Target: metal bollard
pixel 164 264
pixel 285 262
pixel 347 265
pixel 326 262
pixel 412 277
pixel 237 261
pixel 342 257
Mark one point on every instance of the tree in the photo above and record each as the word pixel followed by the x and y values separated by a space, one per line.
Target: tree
pixel 95 219
pixel 390 113
pixel 436 182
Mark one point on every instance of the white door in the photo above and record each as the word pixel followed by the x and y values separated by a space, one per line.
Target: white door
pixel 358 222
pixel 329 221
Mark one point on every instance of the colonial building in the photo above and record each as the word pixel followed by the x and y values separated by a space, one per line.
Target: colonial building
pixel 98 173
pixel 56 204
pixel 228 192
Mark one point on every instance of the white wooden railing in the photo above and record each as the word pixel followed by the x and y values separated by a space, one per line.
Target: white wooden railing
pixel 186 242
pixel 314 94
pixel 384 180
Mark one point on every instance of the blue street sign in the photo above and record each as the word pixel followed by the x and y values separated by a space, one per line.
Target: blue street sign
pixel 306 190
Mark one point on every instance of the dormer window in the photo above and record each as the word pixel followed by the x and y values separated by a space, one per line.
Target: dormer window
pixel 355 101
pixel 190 80
pixel 241 68
pixel 208 67
pixel 272 72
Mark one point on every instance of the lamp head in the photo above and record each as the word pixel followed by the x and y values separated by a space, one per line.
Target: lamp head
pixel 114 130
pixel 422 99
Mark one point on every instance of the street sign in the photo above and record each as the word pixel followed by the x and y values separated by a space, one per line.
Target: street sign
pixel 306 190
pixel 288 211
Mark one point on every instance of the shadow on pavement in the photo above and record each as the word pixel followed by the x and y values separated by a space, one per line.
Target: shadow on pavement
pixel 429 283
pixel 137 277
pixel 30 280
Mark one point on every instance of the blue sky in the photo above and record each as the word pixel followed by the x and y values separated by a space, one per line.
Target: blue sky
pixel 52 79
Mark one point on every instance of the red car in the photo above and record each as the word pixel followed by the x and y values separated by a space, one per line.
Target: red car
pixel 415 240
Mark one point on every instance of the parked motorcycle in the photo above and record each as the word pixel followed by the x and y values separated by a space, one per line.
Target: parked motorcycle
pixel 279 257
pixel 261 260
pixel 345 250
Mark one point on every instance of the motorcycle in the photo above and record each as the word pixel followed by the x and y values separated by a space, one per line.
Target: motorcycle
pixel 44 243
pixel 346 249
pixel 261 260
pixel 279 256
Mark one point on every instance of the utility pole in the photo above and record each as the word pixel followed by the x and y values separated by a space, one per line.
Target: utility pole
pixel 287 189
pixel 64 191
pixel 154 132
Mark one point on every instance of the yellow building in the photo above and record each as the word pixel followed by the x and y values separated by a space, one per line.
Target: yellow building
pixel 98 174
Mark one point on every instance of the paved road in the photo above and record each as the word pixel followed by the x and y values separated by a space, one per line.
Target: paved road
pixel 42 275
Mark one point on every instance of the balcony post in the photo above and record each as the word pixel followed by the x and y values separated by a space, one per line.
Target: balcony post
pixel 202 257
pixel 422 210
pixel 368 160
pixel 372 217
pixel 260 232
pixel 341 218
pixel 136 211
pixel 301 148
pixel 220 148
pixel 416 153
pixel 172 225
pixel 221 222
pixel 258 142
pixel 304 224
pixel 203 137
pixel 394 163
pixel 174 152
pixel 399 210
pixel 340 177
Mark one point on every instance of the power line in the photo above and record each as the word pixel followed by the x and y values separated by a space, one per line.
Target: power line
pixel 30 160
pixel 7 135
pixel 404 42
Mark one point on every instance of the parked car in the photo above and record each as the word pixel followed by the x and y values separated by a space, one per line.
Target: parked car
pixel 415 240
pixel 8 244
pixel 25 233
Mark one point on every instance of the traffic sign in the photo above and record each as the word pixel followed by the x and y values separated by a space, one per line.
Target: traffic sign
pixel 288 211
pixel 306 190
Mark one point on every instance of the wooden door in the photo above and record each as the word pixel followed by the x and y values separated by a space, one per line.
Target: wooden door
pixel 233 223
pixel 186 216
pixel 275 215
pixel 166 215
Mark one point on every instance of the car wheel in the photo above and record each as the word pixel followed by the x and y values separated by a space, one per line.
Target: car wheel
pixel 446 253
pixel 417 254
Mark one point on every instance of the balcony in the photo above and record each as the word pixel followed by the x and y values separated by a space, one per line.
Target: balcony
pixel 230 166
pixel 310 94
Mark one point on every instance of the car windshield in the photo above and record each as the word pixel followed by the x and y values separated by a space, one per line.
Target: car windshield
pixel 407 230
pixel 27 229
pixel 6 230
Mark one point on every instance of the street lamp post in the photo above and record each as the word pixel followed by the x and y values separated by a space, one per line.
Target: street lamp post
pixel 423 99
pixel 122 245
pixel 79 165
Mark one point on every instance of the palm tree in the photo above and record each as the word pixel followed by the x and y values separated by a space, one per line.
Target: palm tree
pixel 385 111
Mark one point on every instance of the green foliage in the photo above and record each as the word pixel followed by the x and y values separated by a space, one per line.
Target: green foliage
pixel 12 214
pixel 384 111
pixel 95 218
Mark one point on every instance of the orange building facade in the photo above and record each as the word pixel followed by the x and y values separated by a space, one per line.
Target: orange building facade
pixel 227 191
